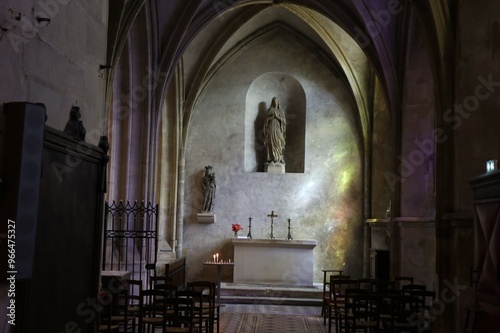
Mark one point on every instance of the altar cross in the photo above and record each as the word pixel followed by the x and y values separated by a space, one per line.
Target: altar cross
pixel 272 216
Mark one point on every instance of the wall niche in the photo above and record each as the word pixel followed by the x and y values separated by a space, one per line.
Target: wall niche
pixel 293 100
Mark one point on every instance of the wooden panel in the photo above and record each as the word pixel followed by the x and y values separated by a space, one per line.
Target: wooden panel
pixel 64 285
pixel 177 271
pixel 487 251
pixel 487 247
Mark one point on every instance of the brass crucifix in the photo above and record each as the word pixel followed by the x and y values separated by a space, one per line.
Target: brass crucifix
pixel 272 216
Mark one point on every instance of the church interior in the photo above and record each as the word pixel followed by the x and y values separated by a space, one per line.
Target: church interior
pixel 114 113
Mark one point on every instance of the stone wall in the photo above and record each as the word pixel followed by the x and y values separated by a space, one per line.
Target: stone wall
pixel 324 201
pixel 51 52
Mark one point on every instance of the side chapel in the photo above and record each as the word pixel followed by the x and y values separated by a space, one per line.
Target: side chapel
pixel 385 117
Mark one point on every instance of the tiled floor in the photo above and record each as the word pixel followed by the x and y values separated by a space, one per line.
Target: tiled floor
pixel 254 318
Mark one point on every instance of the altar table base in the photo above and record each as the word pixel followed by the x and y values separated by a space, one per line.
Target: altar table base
pixel 274 261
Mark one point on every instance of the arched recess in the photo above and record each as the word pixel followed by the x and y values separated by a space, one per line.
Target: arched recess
pixel 342 49
pixel 293 100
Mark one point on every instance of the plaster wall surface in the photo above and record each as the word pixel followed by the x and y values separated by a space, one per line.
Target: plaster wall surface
pixel 56 63
pixel 324 202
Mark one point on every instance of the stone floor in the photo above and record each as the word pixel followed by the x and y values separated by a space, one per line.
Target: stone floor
pixel 250 308
pixel 268 318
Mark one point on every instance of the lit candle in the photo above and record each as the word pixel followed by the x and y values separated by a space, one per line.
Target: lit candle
pixel 217 255
pixel 214 257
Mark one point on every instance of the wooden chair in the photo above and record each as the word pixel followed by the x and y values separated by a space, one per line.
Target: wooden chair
pixel 201 318
pixel 326 289
pixel 328 299
pixel 375 286
pixel 154 280
pixel 134 296
pixel 384 307
pixel 104 322
pixel 381 287
pixel 212 309
pixel 170 290
pixel 336 307
pixel 425 299
pixel 153 309
pixel 409 288
pixel 120 310
pixel 181 317
pixel 368 284
pixel 403 315
pixel 361 307
pixel 400 281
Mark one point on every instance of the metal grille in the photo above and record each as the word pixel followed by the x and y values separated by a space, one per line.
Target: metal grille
pixel 130 238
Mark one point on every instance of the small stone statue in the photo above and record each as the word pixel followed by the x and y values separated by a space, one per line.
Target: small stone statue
pixel 209 185
pixel 104 144
pixel 275 133
pixel 74 126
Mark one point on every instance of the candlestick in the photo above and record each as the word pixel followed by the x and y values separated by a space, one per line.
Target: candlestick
pixel 249 235
pixel 289 234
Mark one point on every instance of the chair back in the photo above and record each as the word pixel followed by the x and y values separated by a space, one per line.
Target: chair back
pixel 208 292
pixel 382 286
pixel 121 304
pixel 404 312
pixel 400 281
pixel 362 309
pixel 180 317
pixel 424 302
pixel 153 308
pixel 366 284
pixel 170 289
pixel 134 293
pixel 198 304
pixel 338 289
pixel 104 322
pixel 154 280
pixel 409 288
pixel 326 277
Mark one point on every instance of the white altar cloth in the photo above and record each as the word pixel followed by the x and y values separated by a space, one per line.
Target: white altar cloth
pixel 274 261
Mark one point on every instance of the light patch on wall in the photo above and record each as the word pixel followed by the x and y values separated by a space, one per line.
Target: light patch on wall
pixel 345 181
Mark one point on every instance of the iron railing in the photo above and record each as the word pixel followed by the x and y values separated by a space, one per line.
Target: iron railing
pixel 130 238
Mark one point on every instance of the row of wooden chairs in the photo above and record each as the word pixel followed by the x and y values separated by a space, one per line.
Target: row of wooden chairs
pixel 162 304
pixel 396 283
pixel 373 305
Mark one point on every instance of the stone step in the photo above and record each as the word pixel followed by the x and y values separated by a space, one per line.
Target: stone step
pixel 271 294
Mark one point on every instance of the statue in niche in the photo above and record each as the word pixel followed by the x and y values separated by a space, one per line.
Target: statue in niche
pixel 275 133
pixel 74 127
pixel 208 185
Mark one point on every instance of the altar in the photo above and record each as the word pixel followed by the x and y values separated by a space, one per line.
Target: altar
pixel 274 261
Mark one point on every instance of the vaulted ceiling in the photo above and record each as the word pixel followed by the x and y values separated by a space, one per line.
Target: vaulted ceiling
pixel 200 32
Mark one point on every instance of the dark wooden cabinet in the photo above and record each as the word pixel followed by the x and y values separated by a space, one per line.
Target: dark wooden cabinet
pixel 59 290
pixel 487 251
